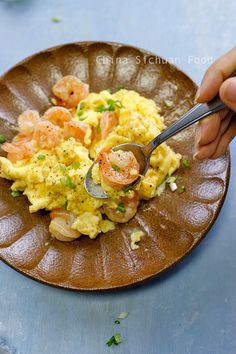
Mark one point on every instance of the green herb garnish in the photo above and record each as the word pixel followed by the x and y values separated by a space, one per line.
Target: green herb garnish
pixel 66 181
pixel 126 189
pixel 115 168
pixel 82 118
pixel 82 105
pixel 121 208
pixel 123 315
pixel 119 104
pixel 80 113
pixel 2 139
pixel 15 194
pixel 171 179
pixel 110 106
pixel 76 165
pixel 64 206
pixel 56 19
pixel 118 338
pixel 115 339
pixel 120 87
pixel 182 189
pixel 62 168
pixel 41 157
pixel 102 108
pixel 186 163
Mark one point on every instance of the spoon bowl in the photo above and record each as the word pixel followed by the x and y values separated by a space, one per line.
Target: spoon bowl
pixel 139 151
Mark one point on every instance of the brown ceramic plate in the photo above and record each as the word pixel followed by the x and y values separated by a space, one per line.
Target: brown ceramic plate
pixel 174 223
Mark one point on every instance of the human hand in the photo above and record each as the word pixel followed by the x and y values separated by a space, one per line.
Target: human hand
pixel 214 133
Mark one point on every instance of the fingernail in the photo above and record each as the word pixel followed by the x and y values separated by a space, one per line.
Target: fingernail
pixel 197 95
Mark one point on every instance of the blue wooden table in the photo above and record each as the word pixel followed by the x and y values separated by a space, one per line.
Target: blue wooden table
pixel 192 309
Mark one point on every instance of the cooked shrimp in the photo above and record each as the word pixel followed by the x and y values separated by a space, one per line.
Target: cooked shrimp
pixel 58 115
pixel 23 148
pixel 108 121
pixel 60 225
pixel 69 91
pixel 46 135
pixel 125 210
pixel 60 213
pixel 74 129
pixel 119 168
pixel 20 138
pixel 27 121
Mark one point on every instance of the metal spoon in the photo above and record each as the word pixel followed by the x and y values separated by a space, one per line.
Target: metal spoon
pixel 143 153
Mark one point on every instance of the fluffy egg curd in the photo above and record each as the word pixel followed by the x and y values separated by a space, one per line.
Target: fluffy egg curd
pixel 50 156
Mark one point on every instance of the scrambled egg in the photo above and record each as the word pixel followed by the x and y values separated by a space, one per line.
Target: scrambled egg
pixel 135 237
pixel 54 179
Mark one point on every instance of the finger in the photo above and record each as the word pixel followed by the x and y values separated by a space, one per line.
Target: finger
pixel 208 128
pixel 225 140
pixel 215 75
pixel 206 151
pixel 228 93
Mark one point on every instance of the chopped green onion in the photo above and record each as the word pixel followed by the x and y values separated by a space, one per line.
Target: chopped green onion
pixel 56 19
pixel 64 206
pixel 171 179
pixel 160 189
pixel 111 341
pixel 62 168
pixel 123 315
pixel 186 163
pixel 41 157
pixel 173 187
pixel 182 189
pixel 118 338
pixel 115 168
pixel 117 322
pixel 15 194
pixel 80 113
pixel 82 105
pixel 66 181
pixel 119 104
pixel 75 165
pixel 52 100
pixel 2 139
pixel 121 208
pixel 110 106
pixel 82 118
pixel 126 189
pixel 101 108
pixel 120 87
pixel 115 339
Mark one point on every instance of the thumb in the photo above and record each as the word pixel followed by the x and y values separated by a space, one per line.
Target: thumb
pixel 228 93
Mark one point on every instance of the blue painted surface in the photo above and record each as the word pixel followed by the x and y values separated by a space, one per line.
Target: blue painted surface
pixel 192 309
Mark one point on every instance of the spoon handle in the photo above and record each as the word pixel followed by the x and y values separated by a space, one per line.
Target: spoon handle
pixel 198 112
